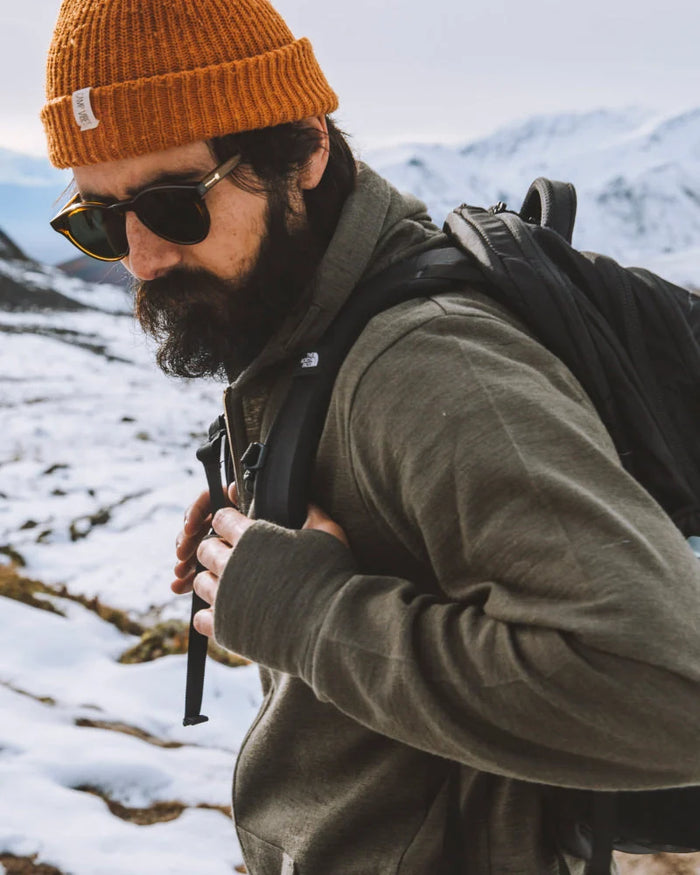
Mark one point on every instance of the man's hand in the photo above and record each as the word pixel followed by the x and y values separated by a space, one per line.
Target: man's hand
pixel 229 525
pixel 196 526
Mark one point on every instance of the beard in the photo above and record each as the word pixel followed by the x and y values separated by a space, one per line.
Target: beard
pixel 206 326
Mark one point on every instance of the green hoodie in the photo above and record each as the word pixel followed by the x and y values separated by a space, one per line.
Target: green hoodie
pixel 513 611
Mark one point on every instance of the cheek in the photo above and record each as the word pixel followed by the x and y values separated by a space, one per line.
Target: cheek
pixel 238 226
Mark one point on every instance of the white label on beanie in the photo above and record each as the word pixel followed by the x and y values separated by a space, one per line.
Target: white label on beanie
pixel 82 110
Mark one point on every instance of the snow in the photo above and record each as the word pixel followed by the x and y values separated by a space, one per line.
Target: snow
pixel 637 176
pixel 97 465
pixel 90 424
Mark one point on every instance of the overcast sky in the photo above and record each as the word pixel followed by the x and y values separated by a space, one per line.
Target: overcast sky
pixel 435 70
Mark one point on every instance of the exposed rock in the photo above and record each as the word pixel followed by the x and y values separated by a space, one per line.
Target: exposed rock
pixel 17 296
pixel 93 271
pixel 9 249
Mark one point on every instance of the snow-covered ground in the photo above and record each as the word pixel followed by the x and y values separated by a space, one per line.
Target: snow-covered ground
pixel 96 467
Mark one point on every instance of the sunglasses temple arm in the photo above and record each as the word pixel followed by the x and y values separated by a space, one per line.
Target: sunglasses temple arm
pixel 218 173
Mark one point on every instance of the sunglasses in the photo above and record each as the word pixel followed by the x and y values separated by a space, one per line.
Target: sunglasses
pixel 176 213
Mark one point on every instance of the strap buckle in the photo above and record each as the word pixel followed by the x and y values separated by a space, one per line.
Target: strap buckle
pixel 253 460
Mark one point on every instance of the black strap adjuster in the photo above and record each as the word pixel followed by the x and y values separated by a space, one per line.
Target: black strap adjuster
pixel 253 460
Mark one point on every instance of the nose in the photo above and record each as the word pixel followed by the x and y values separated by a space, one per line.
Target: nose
pixel 150 256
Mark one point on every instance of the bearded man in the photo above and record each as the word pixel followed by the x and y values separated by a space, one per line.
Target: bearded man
pixel 487 602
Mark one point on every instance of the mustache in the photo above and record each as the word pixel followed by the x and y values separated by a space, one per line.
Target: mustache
pixel 209 326
pixel 178 290
pixel 189 314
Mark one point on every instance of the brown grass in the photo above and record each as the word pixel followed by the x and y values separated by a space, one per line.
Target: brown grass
pixel 45 700
pixel 158 812
pixel 27 866
pixel 126 729
pixel 658 864
pixel 15 585
pixel 170 637
pixel 160 640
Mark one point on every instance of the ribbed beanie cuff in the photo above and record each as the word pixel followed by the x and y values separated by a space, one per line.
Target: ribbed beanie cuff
pixel 128 77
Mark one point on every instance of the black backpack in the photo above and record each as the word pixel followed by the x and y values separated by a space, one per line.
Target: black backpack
pixel 633 342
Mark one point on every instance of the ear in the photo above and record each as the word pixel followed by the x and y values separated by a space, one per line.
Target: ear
pixel 311 174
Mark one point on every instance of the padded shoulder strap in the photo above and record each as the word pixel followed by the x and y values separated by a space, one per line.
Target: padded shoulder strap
pixel 283 479
pixel 551 204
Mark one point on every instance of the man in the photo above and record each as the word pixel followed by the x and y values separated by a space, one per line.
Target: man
pixel 487 603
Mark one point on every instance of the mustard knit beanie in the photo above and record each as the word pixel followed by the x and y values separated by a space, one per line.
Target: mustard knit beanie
pixel 127 77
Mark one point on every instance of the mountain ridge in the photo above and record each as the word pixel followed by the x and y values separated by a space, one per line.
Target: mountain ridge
pixel 637 174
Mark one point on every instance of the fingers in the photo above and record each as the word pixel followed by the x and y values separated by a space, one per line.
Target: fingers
pixel 184 576
pixel 230 524
pixel 197 524
pixel 213 553
pixel 318 520
pixel 197 514
pixel 206 585
pixel 181 587
pixel 186 545
pixel 204 622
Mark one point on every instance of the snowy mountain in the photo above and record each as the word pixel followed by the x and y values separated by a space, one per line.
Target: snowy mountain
pixel 637 176
pixel 9 249
pixel 30 193
pixel 26 285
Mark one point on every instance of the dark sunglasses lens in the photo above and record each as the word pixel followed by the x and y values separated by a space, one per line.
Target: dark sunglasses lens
pixel 178 215
pixel 98 231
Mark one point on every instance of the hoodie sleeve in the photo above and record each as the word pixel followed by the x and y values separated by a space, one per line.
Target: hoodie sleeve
pixel 564 644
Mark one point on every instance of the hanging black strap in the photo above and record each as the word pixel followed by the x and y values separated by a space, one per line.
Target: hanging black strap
pixel 209 454
pixel 604 819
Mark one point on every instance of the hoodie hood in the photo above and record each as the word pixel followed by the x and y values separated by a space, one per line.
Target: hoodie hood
pixel 378 226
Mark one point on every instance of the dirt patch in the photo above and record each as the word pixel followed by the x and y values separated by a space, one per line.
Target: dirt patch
pixel 44 700
pixel 15 585
pixel 28 866
pixel 658 864
pixel 171 637
pixel 159 812
pixel 163 639
pixel 83 525
pixel 127 730
pixel 12 554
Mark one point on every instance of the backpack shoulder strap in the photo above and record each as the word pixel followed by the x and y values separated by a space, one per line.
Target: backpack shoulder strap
pixel 284 465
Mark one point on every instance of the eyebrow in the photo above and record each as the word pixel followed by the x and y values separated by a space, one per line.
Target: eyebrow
pixel 168 178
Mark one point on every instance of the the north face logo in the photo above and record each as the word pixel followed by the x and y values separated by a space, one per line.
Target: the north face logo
pixel 310 360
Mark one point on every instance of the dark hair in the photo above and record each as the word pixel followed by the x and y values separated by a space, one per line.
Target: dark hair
pixel 275 154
